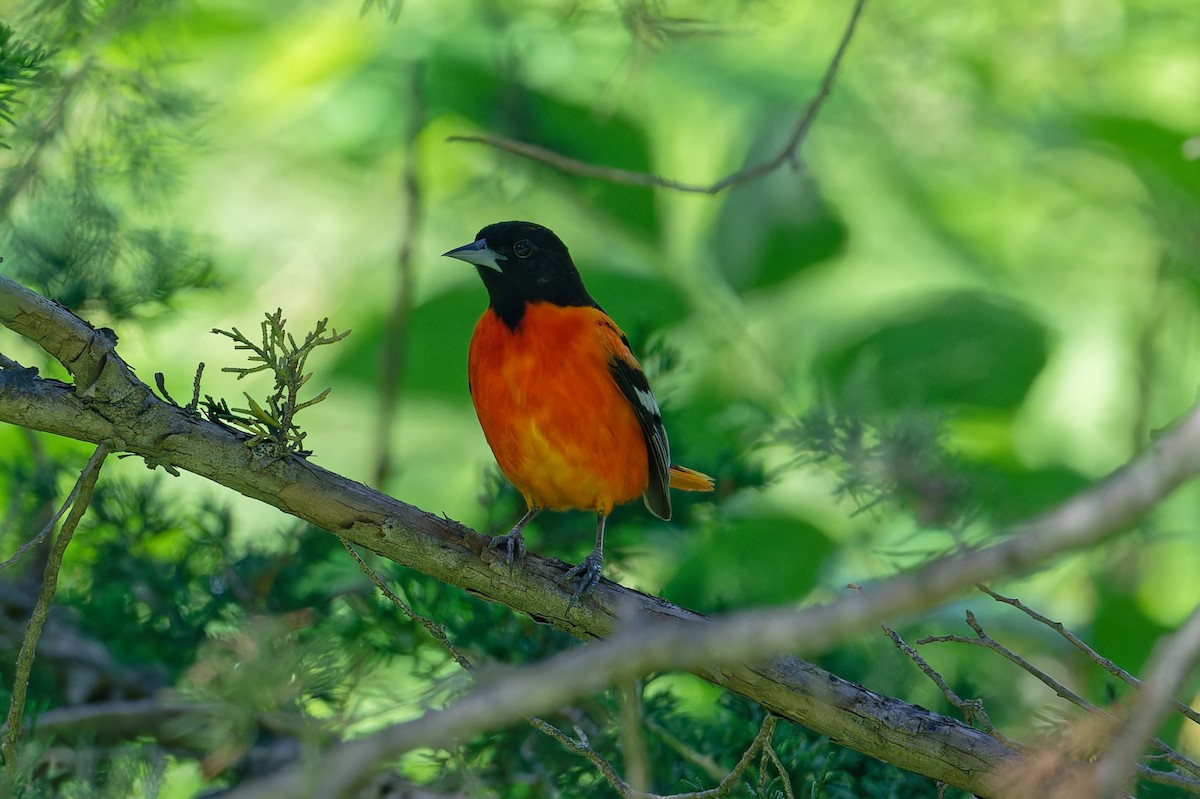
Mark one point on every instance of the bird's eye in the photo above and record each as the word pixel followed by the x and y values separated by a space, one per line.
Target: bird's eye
pixel 523 249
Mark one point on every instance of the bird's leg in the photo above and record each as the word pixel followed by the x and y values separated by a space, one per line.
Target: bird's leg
pixel 589 570
pixel 513 542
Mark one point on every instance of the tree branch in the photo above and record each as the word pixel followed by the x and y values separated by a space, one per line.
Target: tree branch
pixel 972 709
pixel 1109 720
pixel 82 494
pixel 582 748
pixel 1078 643
pixel 653 634
pixel 787 155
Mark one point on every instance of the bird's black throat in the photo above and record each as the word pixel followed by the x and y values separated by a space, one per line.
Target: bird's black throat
pixel 511 294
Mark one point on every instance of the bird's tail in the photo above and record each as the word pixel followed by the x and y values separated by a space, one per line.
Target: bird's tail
pixel 685 479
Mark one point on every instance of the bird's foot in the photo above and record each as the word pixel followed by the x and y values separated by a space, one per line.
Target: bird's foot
pixel 588 573
pixel 511 545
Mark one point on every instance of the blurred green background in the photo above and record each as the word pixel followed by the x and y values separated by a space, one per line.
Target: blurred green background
pixel 979 292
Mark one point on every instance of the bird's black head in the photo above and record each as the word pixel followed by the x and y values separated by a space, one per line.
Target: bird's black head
pixel 520 263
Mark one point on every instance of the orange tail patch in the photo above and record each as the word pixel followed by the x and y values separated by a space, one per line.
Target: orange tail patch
pixel 685 479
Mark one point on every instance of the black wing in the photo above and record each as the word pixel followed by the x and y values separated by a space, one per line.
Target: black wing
pixel 632 382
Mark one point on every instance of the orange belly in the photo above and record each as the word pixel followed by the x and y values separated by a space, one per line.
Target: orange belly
pixel 559 427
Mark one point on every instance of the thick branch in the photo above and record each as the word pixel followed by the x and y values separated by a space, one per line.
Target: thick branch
pixel 667 636
pixel 947 750
pixel 73 342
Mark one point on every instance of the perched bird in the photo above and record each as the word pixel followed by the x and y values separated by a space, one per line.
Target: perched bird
pixel 561 399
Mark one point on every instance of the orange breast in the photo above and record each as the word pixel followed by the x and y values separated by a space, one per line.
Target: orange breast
pixel 559 427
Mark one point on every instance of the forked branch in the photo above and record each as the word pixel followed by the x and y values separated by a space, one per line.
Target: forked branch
pixel 788 154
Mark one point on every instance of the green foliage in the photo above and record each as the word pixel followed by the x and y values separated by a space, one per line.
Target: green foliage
pixel 959 350
pixel 21 65
pixel 904 462
pixel 390 7
pixel 774 229
pixel 78 252
pixel 983 279
pixel 95 151
pixel 736 564
pixel 613 140
pixel 154 569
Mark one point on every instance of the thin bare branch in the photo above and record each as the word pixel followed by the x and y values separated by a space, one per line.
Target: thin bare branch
pixel 787 155
pixel 437 631
pixel 786 781
pixel 984 640
pixel 1169 754
pixel 45 531
pixel 702 761
pixel 37 620
pixel 1078 643
pixel 581 747
pixel 972 709
pixel 1168 668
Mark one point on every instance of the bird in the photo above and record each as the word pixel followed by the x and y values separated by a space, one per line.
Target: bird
pixel 563 402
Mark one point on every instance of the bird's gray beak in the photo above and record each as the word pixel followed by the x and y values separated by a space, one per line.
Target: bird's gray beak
pixel 478 253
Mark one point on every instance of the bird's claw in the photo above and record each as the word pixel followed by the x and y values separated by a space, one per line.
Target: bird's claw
pixel 512 547
pixel 589 574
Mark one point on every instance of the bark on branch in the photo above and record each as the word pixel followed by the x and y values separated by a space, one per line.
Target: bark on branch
pixel 120 410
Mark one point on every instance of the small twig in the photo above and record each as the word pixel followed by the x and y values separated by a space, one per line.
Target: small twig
pixel 698 759
pixel 987 642
pixel 1093 655
pixel 972 709
pixel 194 405
pixel 45 531
pixel 770 753
pixel 1170 778
pixel 436 630
pixel 1169 754
pixel 160 380
pixel 41 609
pixel 1168 668
pixel 581 747
pixel 786 155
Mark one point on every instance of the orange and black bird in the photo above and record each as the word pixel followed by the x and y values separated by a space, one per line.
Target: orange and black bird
pixel 561 399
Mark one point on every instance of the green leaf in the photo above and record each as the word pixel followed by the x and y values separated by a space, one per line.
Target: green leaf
pixel 752 561
pixel 774 228
pixel 963 349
